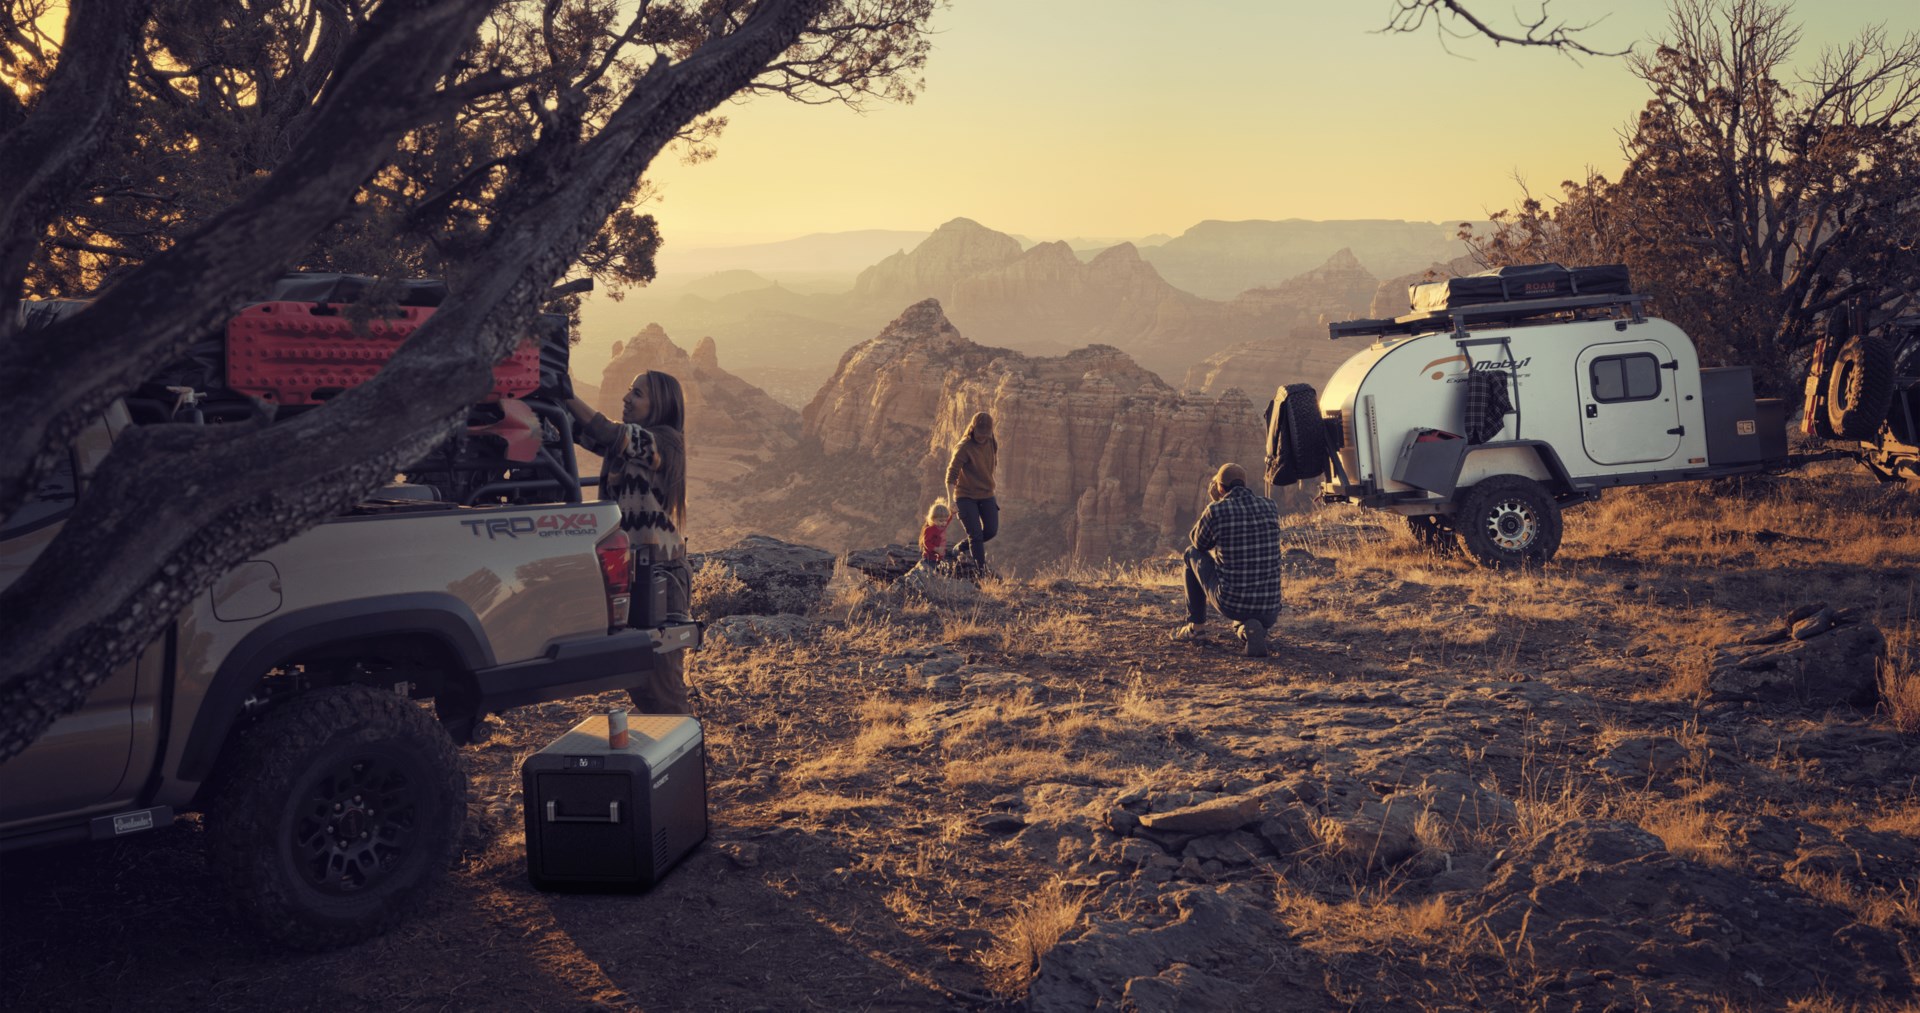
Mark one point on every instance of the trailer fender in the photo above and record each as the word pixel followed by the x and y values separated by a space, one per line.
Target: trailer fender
pixel 1534 459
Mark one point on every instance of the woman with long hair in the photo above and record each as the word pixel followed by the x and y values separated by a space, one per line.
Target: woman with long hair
pixel 970 487
pixel 644 469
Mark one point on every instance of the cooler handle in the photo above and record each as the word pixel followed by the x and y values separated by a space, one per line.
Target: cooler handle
pixel 612 816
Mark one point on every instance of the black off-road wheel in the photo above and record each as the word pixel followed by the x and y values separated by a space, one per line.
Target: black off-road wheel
pixel 1508 522
pixel 1434 534
pixel 336 815
pixel 1861 388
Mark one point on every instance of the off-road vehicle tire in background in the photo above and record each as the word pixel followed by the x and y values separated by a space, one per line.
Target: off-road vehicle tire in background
pixel 1434 534
pixel 340 810
pixel 1509 522
pixel 1861 388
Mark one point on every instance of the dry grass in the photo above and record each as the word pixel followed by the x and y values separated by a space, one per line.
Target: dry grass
pixel 1690 832
pixel 717 591
pixel 1881 908
pixel 1025 936
pixel 1374 918
pixel 1020 765
pixel 1899 678
pixel 1138 706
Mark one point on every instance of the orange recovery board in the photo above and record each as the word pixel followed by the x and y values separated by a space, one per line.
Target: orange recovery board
pixel 302 353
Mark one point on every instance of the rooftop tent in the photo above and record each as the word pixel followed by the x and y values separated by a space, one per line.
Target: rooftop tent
pixel 1517 283
pixel 315 287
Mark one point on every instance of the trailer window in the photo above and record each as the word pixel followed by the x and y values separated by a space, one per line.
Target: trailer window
pixel 1625 378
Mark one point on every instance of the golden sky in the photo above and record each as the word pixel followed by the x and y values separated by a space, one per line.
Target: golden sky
pixel 1064 118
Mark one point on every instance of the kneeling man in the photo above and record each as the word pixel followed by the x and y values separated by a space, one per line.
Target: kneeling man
pixel 1234 561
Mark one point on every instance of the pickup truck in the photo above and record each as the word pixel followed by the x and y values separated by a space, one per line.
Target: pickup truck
pixel 310 702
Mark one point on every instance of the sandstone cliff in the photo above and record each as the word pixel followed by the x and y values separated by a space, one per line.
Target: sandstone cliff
pixel 733 427
pixel 1099 458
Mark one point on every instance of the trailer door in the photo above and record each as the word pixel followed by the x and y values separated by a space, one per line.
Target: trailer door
pixel 1629 413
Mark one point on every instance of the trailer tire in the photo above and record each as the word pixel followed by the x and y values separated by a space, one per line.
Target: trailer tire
pixel 1434 534
pixel 1861 388
pixel 1508 522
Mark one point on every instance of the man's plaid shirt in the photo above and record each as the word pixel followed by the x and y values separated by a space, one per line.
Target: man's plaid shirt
pixel 1242 532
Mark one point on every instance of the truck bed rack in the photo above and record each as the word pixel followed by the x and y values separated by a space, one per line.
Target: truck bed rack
pixel 1459 319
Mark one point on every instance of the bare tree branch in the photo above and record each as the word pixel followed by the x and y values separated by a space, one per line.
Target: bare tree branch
pixel 1413 15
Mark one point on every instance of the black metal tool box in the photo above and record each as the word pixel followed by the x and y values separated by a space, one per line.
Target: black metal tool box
pixel 600 818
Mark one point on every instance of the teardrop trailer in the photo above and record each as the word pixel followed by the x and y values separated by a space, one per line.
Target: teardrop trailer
pixel 1506 397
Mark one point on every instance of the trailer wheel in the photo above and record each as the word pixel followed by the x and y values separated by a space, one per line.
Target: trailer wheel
pixel 1434 534
pixel 1509 522
pixel 1861 389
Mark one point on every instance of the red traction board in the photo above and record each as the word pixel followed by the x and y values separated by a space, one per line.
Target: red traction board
pixel 302 353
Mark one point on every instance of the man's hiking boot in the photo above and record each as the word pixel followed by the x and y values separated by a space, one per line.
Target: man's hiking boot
pixel 1255 634
pixel 1188 633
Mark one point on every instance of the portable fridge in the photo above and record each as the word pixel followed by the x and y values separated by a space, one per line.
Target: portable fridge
pixel 600 818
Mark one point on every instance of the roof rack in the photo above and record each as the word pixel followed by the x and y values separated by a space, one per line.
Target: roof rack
pixel 1459 318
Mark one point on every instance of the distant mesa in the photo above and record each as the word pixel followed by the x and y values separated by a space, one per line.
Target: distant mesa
pixel 955 251
pixel 1219 259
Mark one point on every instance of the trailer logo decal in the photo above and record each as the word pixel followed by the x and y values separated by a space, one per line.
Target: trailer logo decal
pixel 1437 374
pixel 1514 365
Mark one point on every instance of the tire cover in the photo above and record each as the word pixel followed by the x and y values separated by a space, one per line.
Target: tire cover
pixel 1861 388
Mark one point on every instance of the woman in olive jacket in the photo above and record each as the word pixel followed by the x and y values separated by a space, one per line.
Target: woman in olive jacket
pixel 970 487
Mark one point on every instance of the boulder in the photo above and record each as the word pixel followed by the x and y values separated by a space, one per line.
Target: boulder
pixel 1216 952
pixel 1607 896
pixel 1838 664
pixel 1216 816
pixel 781 577
pixel 1642 756
pixel 885 563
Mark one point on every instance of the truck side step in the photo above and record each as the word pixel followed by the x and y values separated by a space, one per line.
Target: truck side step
pixel 106 828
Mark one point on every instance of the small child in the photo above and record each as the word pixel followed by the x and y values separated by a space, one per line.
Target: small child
pixel 933 537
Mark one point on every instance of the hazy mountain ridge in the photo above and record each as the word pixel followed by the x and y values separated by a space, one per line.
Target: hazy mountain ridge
pixel 1040 300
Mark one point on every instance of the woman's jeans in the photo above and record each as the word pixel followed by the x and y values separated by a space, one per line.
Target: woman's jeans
pixel 663 688
pixel 981 518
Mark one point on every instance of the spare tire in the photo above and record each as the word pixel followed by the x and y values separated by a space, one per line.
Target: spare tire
pixel 1296 441
pixel 1860 390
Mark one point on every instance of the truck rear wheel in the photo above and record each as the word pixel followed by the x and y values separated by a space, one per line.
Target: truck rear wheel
pixel 1509 522
pixel 336 814
pixel 1861 389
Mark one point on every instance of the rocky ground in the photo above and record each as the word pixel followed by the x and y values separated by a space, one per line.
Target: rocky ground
pixel 1676 770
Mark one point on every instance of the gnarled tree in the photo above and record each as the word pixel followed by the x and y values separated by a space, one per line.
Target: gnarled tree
pixel 1752 205
pixel 579 96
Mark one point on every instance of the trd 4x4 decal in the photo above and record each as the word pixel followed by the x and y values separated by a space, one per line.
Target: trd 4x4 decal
pixel 543 526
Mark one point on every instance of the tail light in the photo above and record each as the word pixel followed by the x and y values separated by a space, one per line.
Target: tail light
pixel 616 572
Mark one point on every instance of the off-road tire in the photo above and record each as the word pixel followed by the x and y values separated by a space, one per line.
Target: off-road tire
pixel 1297 438
pixel 1860 390
pixel 1434 534
pixel 335 815
pixel 1508 522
